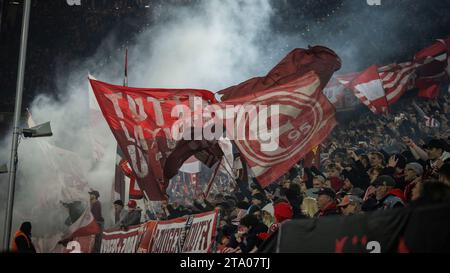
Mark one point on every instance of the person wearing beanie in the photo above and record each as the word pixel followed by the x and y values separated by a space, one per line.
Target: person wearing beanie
pixel 350 205
pixel 413 175
pixel 283 211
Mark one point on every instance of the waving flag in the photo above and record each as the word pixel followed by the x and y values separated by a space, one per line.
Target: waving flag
pixel 306 117
pixel 141 121
pixel 434 67
pixel 379 87
pixel 368 88
pixel 323 61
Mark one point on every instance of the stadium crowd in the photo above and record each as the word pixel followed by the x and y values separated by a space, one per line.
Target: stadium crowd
pixel 369 164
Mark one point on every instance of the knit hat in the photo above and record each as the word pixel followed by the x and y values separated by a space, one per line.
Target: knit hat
pixel 416 167
pixel 283 211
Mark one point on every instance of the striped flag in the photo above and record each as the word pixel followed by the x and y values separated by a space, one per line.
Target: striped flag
pixel 368 88
pixel 379 87
pixel 397 79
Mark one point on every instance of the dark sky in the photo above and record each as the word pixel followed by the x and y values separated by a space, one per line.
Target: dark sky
pixel 361 34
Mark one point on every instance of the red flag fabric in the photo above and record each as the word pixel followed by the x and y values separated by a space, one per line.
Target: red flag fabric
pixel 323 61
pixel 368 88
pixel 428 90
pixel 306 117
pixel 439 47
pixel 397 79
pixel 134 190
pixel 433 67
pixel 141 122
pixel 379 87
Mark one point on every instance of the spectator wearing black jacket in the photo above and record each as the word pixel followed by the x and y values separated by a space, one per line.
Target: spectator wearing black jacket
pixel 246 238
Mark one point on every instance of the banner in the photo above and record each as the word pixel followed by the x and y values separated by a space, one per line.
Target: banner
pixel 190 234
pixel 423 229
pixel 146 239
pixel 317 59
pixel 202 233
pixel 199 236
pixel 123 241
pixel 141 121
pixel 166 236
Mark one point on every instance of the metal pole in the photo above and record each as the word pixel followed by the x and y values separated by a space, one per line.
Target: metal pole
pixel 16 129
pixel 208 188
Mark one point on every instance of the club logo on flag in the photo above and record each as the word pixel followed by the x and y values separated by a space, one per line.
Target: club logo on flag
pixel 305 117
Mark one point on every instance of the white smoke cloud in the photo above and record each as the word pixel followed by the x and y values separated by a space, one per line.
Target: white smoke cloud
pixel 210 46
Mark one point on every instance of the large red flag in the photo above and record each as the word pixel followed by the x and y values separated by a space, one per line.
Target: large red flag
pixel 323 61
pixel 306 118
pixel 141 122
pixel 433 67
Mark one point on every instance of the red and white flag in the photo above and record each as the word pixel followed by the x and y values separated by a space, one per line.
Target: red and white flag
pixel 306 117
pixel 141 121
pixel 433 67
pixel 379 87
pixel 397 79
pixel 368 88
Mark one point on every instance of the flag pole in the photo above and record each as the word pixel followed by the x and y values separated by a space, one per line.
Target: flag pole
pixel 125 78
pixel 122 189
pixel 16 129
pixel 208 188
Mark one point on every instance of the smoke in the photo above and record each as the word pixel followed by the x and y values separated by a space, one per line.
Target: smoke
pixel 210 45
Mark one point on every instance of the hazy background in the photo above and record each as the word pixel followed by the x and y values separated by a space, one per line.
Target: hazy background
pixel 206 44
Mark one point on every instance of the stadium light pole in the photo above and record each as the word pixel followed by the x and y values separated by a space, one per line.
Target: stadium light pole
pixel 16 129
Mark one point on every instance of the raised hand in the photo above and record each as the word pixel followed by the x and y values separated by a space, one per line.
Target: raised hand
pixel 393 160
